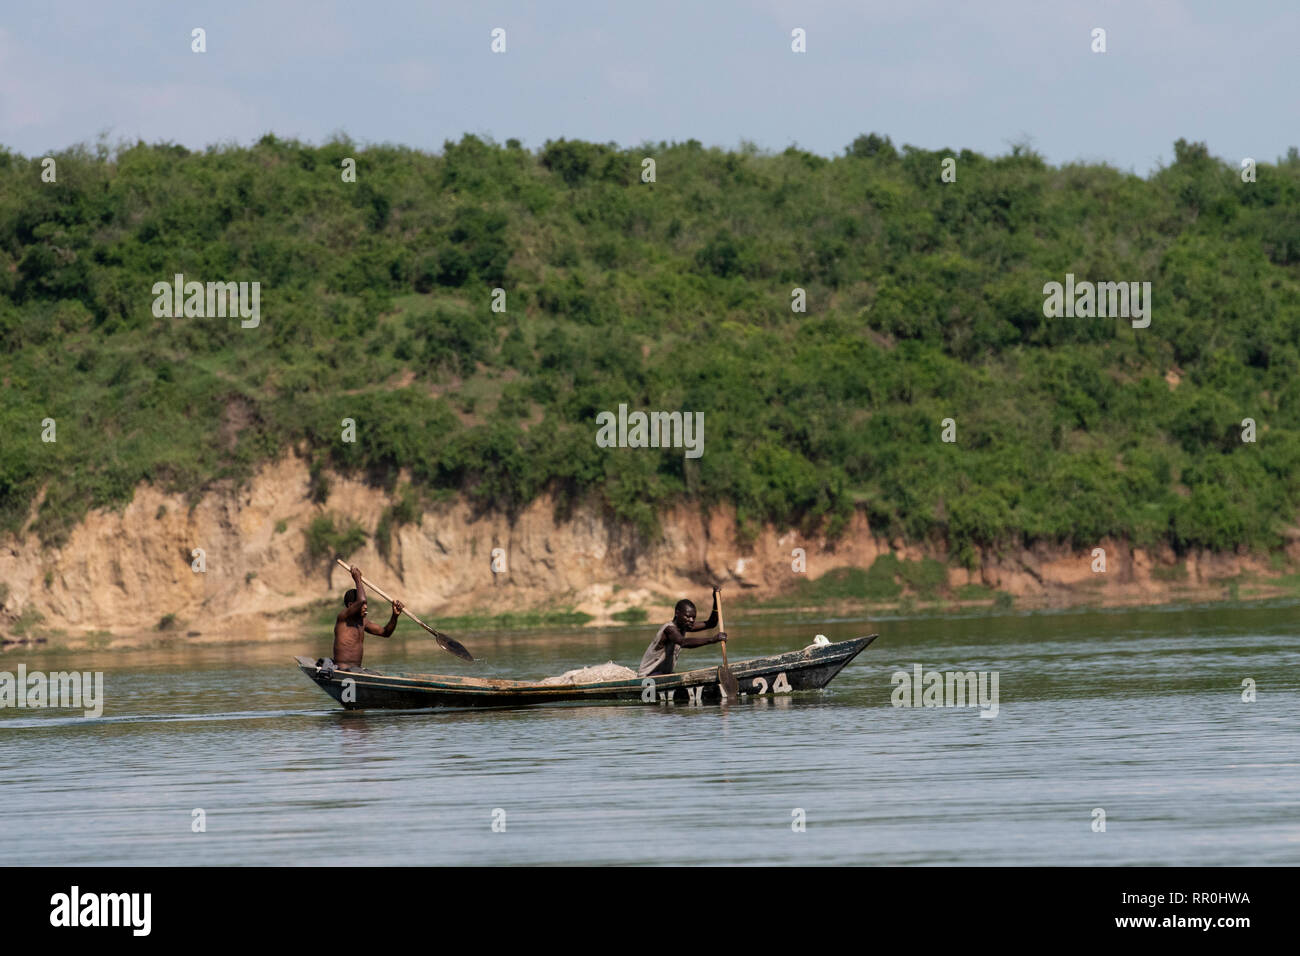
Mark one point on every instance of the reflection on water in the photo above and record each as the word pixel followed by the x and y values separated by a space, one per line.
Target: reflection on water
pixel 1137 713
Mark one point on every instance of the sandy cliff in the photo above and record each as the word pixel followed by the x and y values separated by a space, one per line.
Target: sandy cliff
pixel 122 571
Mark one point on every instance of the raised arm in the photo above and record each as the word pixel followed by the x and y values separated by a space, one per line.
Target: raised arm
pixel 387 629
pixel 711 623
pixel 353 609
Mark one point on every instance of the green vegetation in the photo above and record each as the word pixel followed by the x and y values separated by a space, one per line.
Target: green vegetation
pixel 558 617
pixel 324 540
pixel 880 582
pixel 321 614
pixel 924 302
pixel 926 577
pixel 1289 581
pixel 884 582
pixel 632 615
pixel 27 621
pixel 840 584
pixel 406 510
pixel 1176 573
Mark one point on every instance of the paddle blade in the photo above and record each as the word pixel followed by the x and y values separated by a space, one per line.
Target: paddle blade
pixel 453 646
pixel 727 681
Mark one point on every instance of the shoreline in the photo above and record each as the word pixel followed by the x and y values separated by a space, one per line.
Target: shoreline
pixel 248 564
pixel 276 629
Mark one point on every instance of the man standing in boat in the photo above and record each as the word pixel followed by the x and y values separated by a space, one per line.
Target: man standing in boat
pixel 351 627
pixel 661 656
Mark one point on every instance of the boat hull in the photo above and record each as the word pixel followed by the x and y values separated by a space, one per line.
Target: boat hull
pixel 809 669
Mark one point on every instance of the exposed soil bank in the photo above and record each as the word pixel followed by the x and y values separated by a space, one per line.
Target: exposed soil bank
pixel 122 572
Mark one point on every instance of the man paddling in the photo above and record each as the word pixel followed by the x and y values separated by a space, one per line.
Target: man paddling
pixel 661 656
pixel 351 627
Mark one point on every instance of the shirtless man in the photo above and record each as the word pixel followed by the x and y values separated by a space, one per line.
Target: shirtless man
pixel 351 627
pixel 661 656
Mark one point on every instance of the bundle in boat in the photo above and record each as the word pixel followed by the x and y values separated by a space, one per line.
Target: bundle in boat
pixel 590 675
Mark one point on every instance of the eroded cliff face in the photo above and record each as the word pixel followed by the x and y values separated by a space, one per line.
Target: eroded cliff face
pixel 122 571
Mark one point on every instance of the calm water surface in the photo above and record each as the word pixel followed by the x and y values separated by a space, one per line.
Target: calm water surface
pixel 1138 713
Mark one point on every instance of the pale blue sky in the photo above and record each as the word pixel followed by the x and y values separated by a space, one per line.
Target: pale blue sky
pixel 976 75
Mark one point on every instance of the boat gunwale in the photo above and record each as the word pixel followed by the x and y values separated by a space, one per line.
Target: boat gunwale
pixel 811 655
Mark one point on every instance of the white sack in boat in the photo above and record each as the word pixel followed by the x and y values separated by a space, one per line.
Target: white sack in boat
pixel 589 675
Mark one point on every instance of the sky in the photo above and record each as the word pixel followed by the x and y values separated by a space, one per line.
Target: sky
pixel 964 74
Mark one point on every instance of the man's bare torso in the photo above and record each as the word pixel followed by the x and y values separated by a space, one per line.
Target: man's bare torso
pixel 349 642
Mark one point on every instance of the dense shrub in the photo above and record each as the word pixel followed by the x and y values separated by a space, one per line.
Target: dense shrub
pixel 924 303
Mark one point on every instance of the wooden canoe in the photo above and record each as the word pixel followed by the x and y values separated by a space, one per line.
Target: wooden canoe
pixel 808 669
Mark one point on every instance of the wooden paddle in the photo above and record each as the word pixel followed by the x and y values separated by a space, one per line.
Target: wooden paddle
pixel 726 680
pixel 448 644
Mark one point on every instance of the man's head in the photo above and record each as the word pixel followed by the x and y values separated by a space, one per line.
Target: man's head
pixel 684 613
pixel 350 597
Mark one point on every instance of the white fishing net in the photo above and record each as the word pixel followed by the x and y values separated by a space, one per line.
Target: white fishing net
pixel 590 675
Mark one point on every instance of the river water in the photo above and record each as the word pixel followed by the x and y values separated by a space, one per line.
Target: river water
pixel 1138 714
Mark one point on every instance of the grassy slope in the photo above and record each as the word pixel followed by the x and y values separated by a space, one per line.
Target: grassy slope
pixel 924 302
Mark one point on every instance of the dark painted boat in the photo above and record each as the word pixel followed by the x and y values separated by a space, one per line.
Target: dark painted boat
pixel 809 669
